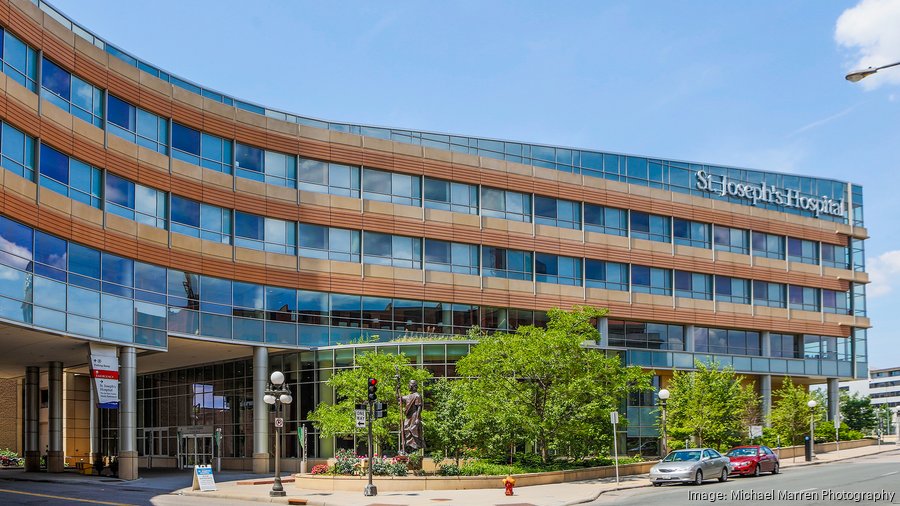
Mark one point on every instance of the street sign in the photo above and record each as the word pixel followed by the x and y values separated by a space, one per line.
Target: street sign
pixel 614 417
pixel 203 479
pixel 300 437
pixel 279 422
pixel 837 423
pixel 756 431
pixel 360 418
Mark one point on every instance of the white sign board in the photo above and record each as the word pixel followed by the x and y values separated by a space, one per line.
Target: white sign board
pixel 614 417
pixel 203 479
pixel 279 422
pixel 756 431
pixel 105 373
pixel 837 423
pixel 360 418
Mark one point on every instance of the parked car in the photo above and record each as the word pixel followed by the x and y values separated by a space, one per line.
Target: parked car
pixel 752 460
pixel 691 465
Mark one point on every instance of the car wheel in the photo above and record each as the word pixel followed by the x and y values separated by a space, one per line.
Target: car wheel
pixel 775 469
pixel 756 471
pixel 698 478
pixel 724 476
pixel 656 483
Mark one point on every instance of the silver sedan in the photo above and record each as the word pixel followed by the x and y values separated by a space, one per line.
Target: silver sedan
pixel 691 465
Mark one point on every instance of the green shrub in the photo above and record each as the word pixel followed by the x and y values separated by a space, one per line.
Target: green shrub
pixel 449 470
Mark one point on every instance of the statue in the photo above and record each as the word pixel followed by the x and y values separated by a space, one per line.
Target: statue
pixel 411 406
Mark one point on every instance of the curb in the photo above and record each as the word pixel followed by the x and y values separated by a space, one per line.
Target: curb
pixel 598 494
pixel 262 499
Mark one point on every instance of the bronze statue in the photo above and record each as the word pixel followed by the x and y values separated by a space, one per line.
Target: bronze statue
pixel 412 433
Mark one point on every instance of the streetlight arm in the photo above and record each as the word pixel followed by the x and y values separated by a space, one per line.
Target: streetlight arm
pixel 859 75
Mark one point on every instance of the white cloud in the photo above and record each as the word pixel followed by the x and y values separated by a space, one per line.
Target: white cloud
pixel 884 273
pixel 870 31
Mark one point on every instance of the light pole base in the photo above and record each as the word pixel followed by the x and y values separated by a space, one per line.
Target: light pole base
pixel 370 490
pixel 277 493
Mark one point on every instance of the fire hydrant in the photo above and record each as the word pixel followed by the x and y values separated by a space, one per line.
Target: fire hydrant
pixel 509 482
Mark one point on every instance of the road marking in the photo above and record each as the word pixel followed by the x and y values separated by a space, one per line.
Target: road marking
pixel 888 474
pixel 807 489
pixel 64 498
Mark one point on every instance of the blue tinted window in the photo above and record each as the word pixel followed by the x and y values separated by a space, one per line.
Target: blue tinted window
pixel 606 275
pixel 72 94
pixel 733 290
pixel 803 298
pixel 324 177
pixel 506 204
pixel 135 201
pixel 557 213
pixel 803 251
pixel 557 269
pixel 651 227
pixel 733 240
pixel 769 294
pixel 691 233
pixel 392 187
pixel 451 196
pixel 605 220
pixel 137 125
pixel 17 152
pixel 54 164
pixel 16 242
pixel 768 245
pixel 267 234
pixel 19 61
pixel 55 79
pixel 393 250
pixel 186 140
pixel 201 220
pixel 84 266
pixel 693 285
pixel 651 280
pixel 50 256
pixel 68 176
pixel 451 257
pixel 506 263
pixel 317 241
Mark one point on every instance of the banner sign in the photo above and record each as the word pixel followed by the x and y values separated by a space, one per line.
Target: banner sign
pixel 770 194
pixel 105 373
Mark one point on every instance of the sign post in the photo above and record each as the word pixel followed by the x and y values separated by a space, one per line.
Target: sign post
pixel 614 418
pixel 756 431
pixel 837 433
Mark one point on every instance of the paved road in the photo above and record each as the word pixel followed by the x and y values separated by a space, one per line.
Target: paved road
pixel 834 483
pixel 86 494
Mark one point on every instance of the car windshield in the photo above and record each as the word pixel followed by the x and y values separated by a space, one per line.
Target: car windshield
pixel 742 452
pixel 682 456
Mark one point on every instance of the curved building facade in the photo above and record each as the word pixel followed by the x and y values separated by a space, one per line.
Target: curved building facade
pixel 201 241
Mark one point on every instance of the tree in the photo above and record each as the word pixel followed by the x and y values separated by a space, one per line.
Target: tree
pixel 885 418
pixel 857 412
pixel 351 388
pixel 542 387
pixel 711 404
pixel 790 411
pixel 448 431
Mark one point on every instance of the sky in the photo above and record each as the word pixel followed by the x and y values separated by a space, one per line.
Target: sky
pixel 748 84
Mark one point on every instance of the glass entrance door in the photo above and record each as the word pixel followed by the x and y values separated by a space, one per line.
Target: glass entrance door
pixel 195 450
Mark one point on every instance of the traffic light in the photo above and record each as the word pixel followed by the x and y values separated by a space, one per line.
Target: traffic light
pixel 373 384
pixel 380 410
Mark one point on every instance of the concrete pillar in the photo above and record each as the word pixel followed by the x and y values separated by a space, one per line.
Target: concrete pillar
pixel 55 454
pixel 765 390
pixel 260 410
pixel 32 418
pixel 689 339
pixel 128 455
pixel 603 327
pixel 834 400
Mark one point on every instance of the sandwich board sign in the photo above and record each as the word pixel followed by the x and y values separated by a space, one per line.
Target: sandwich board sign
pixel 203 479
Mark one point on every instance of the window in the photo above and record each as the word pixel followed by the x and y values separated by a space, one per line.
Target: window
pixel 453 257
pixel 49 256
pixel 653 336
pixel 450 196
pixel 265 234
pixel 691 233
pixel 201 148
pixel 391 187
pixel 266 166
pixel 557 269
pixel 19 61
pixel 769 294
pixel 803 251
pixel 71 94
pixel 324 177
pixel 605 220
pixel 205 221
pixel 804 298
pixel 135 201
pixel 812 346
pixel 693 285
pixel 557 212
pixel 393 250
pixel 835 302
pixel 70 177
pixel 329 243
pixel 785 346
pixel 726 341
pixel 506 263
pixel 651 280
pixel 137 125
pixel 506 204
pixel 733 240
pixel 17 151
pixel 768 245
pixel 734 290
pixel 650 227
pixel 606 275
pixel 835 256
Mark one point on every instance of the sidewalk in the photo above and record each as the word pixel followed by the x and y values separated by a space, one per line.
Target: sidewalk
pixel 546 495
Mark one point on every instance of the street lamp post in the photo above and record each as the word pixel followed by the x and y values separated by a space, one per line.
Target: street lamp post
pixel 277 394
pixel 812 438
pixel 663 397
pixel 859 75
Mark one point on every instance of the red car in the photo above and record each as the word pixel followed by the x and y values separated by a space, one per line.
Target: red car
pixel 752 460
